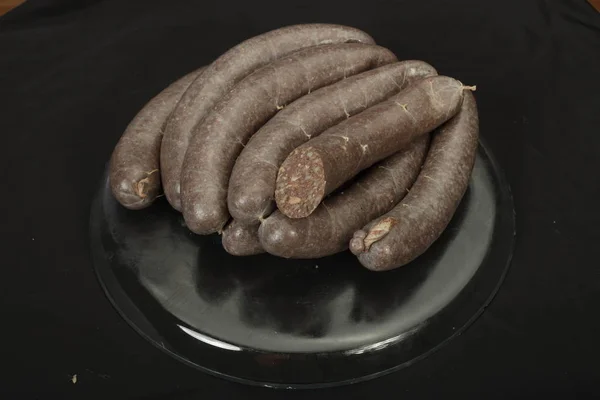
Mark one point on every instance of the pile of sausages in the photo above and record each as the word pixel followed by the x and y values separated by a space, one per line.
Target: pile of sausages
pixel 303 142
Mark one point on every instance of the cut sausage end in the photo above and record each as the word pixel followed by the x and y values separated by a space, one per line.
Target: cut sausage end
pixel 300 183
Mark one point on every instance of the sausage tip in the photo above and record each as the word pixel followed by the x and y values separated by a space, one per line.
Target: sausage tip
pixel 357 243
pixel 203 220
pixel 278 236
pixel 249 208
pixel 378 232
pixel 173 194
pixel 131 201
pixel 241 240
pixel 144 186
pixel 137 193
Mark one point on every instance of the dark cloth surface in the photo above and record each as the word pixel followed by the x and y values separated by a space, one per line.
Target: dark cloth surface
pixel 73 74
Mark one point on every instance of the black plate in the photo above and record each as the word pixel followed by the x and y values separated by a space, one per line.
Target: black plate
pixel 300 323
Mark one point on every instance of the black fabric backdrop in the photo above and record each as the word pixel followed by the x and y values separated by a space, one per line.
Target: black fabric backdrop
pixel 73 73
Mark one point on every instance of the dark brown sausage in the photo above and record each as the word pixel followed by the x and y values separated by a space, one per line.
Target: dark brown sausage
pixel 321 165
pixel 223 74
pixel 252 184
pixel 328 230
pixel 241 239
pixel 404 233
pixel 220 138
pixel 134 166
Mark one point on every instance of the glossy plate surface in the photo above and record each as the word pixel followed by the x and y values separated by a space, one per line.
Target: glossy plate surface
pixel 300 323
